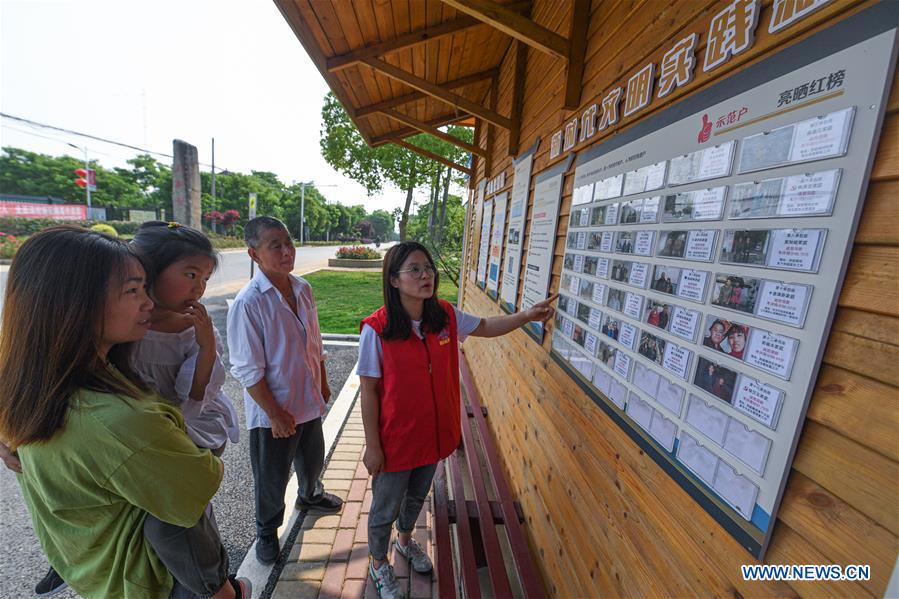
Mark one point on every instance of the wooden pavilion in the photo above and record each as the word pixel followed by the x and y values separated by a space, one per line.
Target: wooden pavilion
pixel 603 516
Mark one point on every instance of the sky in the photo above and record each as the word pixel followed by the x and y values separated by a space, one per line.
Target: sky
pixel 145 73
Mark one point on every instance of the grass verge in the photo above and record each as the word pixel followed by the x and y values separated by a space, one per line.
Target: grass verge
pixel 344 298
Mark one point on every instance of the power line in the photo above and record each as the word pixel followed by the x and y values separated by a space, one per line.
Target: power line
pixel 94 137
pixel 56 139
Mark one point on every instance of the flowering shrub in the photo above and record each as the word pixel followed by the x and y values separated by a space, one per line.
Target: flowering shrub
pixel 358 252
pixel 213 216
pixel 8 245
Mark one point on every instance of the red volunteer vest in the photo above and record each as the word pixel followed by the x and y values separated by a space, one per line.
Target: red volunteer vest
pixel 419 391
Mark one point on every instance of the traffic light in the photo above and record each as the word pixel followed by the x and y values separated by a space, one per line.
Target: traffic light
pixel 86 177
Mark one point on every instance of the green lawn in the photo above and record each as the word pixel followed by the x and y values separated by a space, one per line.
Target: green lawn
pixel 345 298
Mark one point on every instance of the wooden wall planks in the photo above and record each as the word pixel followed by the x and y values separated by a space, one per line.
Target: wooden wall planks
pixel 601 515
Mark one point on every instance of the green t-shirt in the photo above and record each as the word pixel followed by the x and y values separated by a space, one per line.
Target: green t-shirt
pixel 89 488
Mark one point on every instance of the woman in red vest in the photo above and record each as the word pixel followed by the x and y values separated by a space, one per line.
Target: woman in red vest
pixel 409 368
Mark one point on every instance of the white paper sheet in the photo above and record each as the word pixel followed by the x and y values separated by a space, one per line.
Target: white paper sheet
pixel 771 352
pixel 701 245
pixel 693 284
pixel 643 243
pixel 822 137
pixel 758 400
pixel 677 360
pixel 627 335
pixel 638 275
pixel 622 365
pixel 796 249
pixel 684 323
pixel 784 302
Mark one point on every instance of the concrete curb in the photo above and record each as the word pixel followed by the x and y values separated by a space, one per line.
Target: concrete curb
pixel 259 574
pixel 340 337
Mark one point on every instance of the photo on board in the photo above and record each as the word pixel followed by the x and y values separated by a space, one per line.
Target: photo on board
pixel 718 380
pixel 597 216
pixel 672 244
pixel 616 299
pixel 651 347
pixel 755 199
pixel 745 247
pixel 665 279
pixel 606 354
pixel 735 292
pixel 583 313
pixel 629 212
pixel 621 270
pixel 611 327
pixel 725 336
pixel 624 244
pixel 657 314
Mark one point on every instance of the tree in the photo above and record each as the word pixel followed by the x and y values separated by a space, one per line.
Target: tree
pixel 446 249
pixel 343 148
pixel 382 222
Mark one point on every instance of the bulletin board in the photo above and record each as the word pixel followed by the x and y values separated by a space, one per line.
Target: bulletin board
pixel 705 252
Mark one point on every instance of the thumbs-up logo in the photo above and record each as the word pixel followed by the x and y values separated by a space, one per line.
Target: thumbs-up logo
pixel 706 130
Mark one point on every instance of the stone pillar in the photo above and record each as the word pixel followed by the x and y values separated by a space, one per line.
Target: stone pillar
pixel 186 185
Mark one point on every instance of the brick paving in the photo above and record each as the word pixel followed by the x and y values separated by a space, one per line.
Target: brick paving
pixel 329 559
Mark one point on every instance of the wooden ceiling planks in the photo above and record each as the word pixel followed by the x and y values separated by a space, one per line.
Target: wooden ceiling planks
pixel 462 47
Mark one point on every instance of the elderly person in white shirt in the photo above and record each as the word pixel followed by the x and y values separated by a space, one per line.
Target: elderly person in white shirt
pixel 276 353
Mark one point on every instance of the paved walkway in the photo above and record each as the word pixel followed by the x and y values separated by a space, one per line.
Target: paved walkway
pixel 329 558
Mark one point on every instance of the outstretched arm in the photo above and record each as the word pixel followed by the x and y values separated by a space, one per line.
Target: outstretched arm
pixel 500 325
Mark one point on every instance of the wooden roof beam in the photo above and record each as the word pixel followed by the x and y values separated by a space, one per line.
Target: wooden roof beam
pixel 521 65
pixel 432 156
pixel 407 131
pixel 416 95
pixel 514 24
pixel 431 130
pixel 577 53
pixel 434 90
pixel 413 38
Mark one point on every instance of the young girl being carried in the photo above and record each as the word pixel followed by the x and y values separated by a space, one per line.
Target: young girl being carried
pixel 180 356
pixel 409 370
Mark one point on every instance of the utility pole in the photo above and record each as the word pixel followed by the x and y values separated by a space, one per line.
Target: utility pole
pixel 87 188
pixel 213 183
pixel 302 212
pixel 87 177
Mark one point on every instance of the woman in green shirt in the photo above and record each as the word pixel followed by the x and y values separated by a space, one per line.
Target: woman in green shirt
pixel 102 460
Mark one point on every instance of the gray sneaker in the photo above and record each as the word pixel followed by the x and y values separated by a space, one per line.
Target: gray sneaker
pixel 385 582
pixel 417 556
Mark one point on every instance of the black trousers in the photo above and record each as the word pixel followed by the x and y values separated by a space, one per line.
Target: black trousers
pixel 271 459
pixel 194 556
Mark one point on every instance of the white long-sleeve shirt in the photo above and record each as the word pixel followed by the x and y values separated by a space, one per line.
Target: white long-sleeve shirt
pixel 266 339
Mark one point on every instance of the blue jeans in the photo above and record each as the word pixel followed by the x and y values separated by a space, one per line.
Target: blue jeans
pixel 396 497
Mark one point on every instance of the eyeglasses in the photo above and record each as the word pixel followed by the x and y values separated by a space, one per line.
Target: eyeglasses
pixel 419 272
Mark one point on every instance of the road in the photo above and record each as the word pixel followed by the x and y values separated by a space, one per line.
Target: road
pixel 234 269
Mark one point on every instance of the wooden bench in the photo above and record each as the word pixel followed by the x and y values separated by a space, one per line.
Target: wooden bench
pixel 475 519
